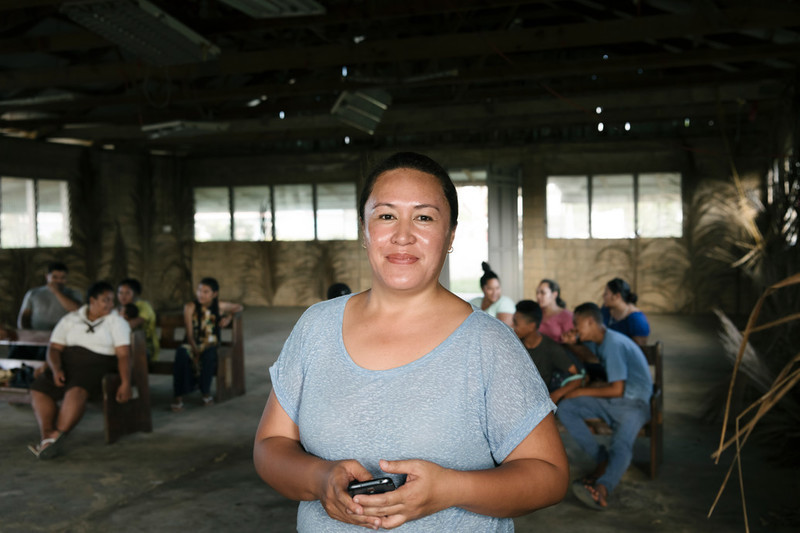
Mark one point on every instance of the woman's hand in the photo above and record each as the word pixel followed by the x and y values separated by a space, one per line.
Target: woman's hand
pixel 59 378
pixel 225 320
pixel 426 491
pixel 335 499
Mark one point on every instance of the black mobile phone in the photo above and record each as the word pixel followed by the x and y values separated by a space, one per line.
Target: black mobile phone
pixel 373 486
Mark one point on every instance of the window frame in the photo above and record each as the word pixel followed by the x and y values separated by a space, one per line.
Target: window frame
pixel 589 177
pixel 36 212
pixel 273 209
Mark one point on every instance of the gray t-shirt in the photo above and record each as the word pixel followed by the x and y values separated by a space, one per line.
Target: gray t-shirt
pixel 45 308
pixel 465 405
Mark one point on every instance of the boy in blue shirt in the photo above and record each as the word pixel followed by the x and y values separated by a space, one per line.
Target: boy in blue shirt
pixel 623 402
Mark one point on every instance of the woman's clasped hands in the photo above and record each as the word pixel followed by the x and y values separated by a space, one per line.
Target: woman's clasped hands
pixel 423 493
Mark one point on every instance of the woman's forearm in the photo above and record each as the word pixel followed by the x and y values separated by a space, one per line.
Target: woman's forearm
pixel 512 489
pixel 288 468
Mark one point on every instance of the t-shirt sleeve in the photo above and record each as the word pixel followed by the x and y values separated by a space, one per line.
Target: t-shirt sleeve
pixel 506 305
pixel 59 334
pixel 639 326
pixel 288 373
pixel 26 302
pixel 614 363
pixel 120 331
pixel 515 394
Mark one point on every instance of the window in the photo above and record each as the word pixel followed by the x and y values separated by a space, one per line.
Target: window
pixel 284 212
pixel 568 207
pixel 336 212
pixel 212 214
pixel 614 206
pixel 34 213
pixel 294 212
pixel 252 213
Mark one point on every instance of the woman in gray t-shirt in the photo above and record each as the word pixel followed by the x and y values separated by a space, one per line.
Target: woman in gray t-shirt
pixel 408 381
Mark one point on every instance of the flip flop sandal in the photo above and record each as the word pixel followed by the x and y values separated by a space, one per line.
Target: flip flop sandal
pixel 208 401
pixel 176 407
pixel 47 448
pixel 585 497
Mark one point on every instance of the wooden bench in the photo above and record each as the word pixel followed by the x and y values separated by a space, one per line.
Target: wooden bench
pixel 230 352
pixel 119 419
pixel 654 429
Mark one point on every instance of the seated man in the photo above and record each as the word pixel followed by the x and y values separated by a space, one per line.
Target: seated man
pixel 622 402
pixel 42 308
pixel 560 371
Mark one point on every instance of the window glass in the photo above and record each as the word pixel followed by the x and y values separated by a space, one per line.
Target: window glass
pixel 52 216
pixel 612 207
pixel 567 207
pixel 212 215
pixel 17 222
pixel 660 207
pixel 252 214
pixel 294 213
pixel 336 211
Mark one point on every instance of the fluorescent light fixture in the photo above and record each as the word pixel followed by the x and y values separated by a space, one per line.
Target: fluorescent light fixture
pixel 143 29
pixel 261 9
pixel 362 109
pixel 183 128
pixel 38 100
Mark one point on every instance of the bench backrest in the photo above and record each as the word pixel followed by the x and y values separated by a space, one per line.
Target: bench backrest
pixel 654 354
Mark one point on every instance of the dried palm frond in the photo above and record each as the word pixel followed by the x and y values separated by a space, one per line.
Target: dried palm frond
pixel 776 391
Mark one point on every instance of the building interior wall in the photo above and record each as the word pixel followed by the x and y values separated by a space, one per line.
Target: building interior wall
pixel 132 215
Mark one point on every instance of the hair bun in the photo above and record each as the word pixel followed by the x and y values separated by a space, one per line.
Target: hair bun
pixel 485 266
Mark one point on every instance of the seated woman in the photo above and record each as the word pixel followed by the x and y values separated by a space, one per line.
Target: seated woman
pixel 196 360
pixel 85 345
pixel 128 292
pixel 556 318
pixel 493 302
pixel 621 314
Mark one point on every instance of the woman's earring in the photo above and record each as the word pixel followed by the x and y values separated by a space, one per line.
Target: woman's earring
pixel 363 245
pixel 450 251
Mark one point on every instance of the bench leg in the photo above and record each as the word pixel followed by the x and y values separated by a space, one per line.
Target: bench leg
pixel 124 419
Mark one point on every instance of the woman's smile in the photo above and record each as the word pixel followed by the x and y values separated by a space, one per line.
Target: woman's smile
pixel 402 259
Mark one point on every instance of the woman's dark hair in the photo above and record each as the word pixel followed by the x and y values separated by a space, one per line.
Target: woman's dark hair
pixel 338 289
pixel 132 284
pixel 418 162
pixel 97 288
pixel 621 287
pixel 555 288
pixel 531 311
pixel 488 274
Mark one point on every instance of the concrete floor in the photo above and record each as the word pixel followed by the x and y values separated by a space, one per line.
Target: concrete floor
pixel 194 471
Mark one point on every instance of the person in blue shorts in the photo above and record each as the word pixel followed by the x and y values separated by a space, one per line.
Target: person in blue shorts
pixel 409 382
pixel 623 402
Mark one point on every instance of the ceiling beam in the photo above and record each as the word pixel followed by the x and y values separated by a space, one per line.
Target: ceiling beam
pixel 503 43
